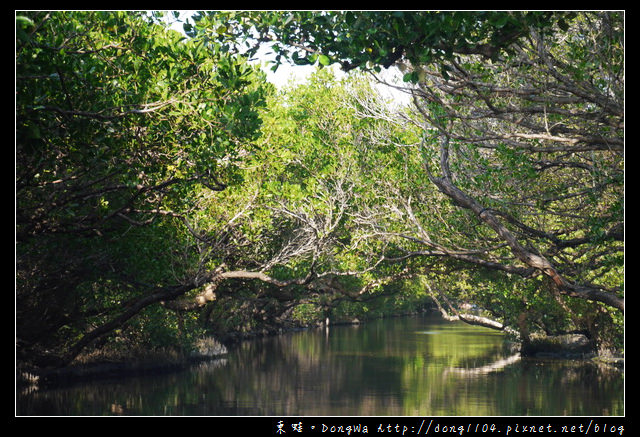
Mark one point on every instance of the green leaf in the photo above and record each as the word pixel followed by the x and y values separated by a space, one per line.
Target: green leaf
pixel 412 77
pixel 324 60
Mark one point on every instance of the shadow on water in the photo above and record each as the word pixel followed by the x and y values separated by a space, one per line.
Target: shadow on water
pixel 402 366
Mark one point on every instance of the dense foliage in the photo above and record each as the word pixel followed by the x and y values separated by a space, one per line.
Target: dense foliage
pixel 163 189
pixel 120 124
pixel 522 123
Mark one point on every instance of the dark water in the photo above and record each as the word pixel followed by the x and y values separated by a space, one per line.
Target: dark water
pixel 419 366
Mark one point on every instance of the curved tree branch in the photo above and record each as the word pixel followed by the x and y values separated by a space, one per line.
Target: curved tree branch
pixel 538 262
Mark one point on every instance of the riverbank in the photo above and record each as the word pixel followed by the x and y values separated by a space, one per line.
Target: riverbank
pixel 140 362
pixel 394 366
pixel 101 365
pixel 569 346
pixel 135 362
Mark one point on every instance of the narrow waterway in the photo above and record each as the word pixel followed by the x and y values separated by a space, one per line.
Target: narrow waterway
pixel 414 366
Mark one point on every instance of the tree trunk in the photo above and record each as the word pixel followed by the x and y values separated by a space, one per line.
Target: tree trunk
pixel 168 295
pixel 470 319
pixel 533 260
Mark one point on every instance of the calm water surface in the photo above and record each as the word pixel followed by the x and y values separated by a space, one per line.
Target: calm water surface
pixel 418 366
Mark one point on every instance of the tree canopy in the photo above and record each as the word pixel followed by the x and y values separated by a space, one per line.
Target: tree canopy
pixel 164 189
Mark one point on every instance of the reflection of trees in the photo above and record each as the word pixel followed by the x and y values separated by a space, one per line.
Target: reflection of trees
pixel 369 370
pixel 363 371
pixel 488 368
pixel 445 345
pixel 307 373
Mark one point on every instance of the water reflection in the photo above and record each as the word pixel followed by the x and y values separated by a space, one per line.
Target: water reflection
pixel 496 366
pixel 413 366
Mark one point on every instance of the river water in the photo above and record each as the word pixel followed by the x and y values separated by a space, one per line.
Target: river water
pixel 413 366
